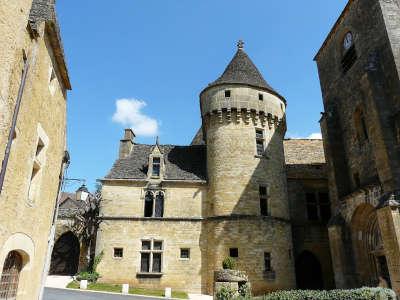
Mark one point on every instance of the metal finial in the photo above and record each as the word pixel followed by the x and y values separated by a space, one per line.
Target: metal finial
pixel 240 44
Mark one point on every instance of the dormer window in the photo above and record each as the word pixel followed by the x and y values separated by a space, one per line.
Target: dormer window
pixel 156 167
pixel 227 93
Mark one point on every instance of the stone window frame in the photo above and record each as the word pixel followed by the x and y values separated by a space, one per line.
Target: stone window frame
pixel 151 252
pixel 180 253
pixel 152 156
pixel 154 193
pixel 38 162
pixel 258 139
pixel 118 249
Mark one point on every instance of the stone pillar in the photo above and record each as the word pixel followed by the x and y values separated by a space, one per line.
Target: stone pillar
pixel 342 256
pixel 389 224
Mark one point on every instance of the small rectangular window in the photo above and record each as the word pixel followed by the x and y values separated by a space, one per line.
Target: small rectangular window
pixel 260 142
pixel 260 97
pixel 227 93
pixel 118 252
pixel 267 261
pixel 233 252
pixel 185 253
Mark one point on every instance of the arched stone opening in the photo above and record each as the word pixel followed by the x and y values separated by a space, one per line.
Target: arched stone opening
pixel 368 249
pixel 308 272
pixel 10 276
pixel 65 255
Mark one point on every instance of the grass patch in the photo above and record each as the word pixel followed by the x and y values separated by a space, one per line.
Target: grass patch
pixel 116 288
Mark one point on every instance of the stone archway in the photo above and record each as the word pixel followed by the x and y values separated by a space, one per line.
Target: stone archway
pixel 308 272
pixel 65 255
pixel 10 276
pixel 368 247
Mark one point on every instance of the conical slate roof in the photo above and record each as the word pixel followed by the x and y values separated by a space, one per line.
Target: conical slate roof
pixel 241 70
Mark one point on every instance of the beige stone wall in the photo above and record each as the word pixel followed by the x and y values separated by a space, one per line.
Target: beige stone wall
pixel 185 275
pixel 41 114
pixel 13 14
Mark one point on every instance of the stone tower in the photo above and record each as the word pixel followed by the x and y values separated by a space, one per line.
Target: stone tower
pixel 243 122
pixel 359 66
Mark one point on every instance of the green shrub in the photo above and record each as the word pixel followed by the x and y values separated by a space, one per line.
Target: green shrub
pixel 225 293
pixel 229 263
pixel 89 276
pixel 245 290
pixel 365 293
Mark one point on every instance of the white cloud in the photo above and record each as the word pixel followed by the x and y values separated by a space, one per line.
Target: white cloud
pixel 129 113
pixel 314 136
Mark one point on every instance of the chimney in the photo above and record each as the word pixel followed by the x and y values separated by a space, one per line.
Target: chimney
pixel 126 144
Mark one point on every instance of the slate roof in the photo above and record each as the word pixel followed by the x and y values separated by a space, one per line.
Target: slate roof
pixel 304 151
pixel 44 11
pixel 181 163
pixel 68 205
pixel 241 70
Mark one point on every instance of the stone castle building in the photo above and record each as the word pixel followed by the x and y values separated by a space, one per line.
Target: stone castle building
pixel 172 213
pixel 359 65
pixel 33 86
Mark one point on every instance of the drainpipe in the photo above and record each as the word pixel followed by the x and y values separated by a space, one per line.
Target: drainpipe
pixel 13 124
pixel 50 242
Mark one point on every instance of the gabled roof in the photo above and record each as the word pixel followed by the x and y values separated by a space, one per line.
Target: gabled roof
pixel 241 70
pixel 181 163
pixel 44 11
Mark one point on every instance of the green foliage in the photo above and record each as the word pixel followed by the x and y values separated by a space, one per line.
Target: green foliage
pixel 87 275
pixel 228 263
pixel 245 291
pixel 365 293
pixel 97 260
pixel 225 293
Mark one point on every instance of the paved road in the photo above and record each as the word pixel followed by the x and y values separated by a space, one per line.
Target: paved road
pixel 62 294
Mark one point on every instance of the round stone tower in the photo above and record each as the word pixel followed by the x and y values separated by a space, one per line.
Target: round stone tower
pixel 243 121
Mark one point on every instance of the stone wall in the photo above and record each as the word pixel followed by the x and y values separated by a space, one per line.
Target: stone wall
pixel 42 114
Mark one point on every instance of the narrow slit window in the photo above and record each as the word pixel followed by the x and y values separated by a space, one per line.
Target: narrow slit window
pixel 267 262
pixel 260 97
pixel 260 142
pixel 263 193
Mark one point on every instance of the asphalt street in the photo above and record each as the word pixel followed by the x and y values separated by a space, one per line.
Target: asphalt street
pixel 63 294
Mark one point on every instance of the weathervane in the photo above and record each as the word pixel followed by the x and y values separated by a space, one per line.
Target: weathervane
pixel 240 44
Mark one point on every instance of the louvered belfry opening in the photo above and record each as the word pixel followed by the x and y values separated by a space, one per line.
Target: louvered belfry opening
pixel 10 276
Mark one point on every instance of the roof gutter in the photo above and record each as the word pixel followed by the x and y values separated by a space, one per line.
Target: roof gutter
pixel 14 122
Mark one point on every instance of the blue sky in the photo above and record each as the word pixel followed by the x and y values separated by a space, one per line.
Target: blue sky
pixel 158 55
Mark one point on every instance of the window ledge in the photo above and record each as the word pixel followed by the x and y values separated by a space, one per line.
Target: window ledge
pixel 184 259
pixel 117 258
pixel 149 274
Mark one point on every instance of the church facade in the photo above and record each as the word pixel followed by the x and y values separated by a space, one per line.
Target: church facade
pixel 172 214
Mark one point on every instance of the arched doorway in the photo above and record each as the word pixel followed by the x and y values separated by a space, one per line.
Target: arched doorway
pixel 308 272
pixel 368 247
pixel 65 256
pixel 10 276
